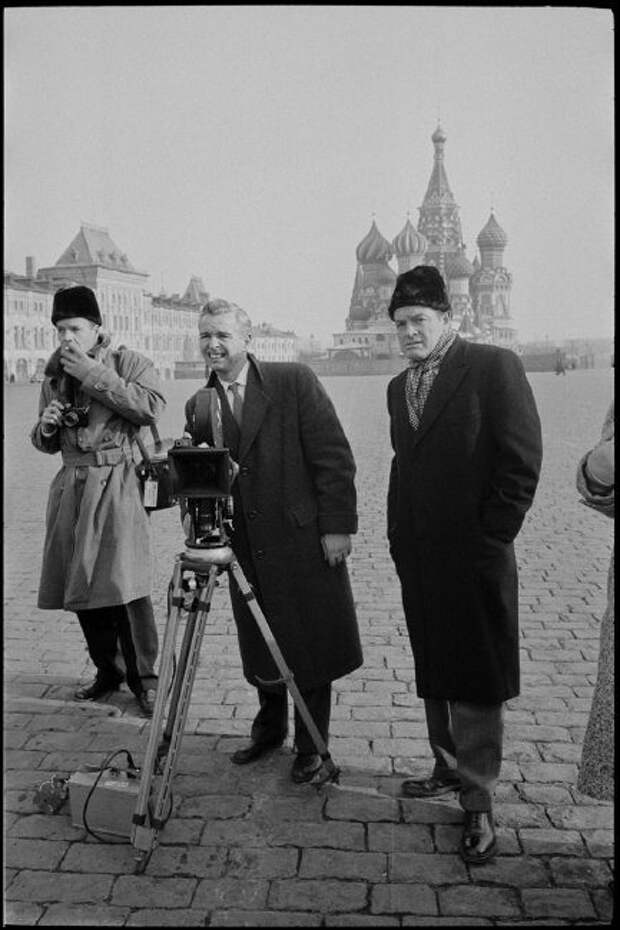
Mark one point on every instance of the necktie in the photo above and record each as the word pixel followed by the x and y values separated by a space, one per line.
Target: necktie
pixel 237 403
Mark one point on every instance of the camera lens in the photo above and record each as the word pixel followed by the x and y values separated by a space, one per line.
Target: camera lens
pixel 70 418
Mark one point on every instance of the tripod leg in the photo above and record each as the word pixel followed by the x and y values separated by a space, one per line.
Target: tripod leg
pixel 186 674
pixel 331 772
pixel 141 835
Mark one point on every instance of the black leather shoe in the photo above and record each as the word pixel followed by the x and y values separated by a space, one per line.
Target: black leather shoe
pixel 99 688
pixel 254 751
pixel 146 701
pixel 432 787
pixel 305 767
pixel 478 843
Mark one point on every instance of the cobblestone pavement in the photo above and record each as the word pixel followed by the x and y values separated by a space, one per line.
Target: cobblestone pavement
pixel 247 847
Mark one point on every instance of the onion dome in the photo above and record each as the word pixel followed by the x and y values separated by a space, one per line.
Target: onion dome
pixel 409 241
pixel 459 266
pixel 492 236
pixel 373 247
pixel 439 135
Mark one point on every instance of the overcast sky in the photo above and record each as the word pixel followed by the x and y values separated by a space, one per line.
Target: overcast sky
pixel 251 145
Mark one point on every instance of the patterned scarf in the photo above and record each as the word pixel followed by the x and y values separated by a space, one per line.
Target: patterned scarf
pixel 421 375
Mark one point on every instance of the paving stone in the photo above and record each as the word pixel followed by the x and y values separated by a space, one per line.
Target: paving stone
pixel 465 901
pixel 307 807
pixel 599 843
pixel 236 918
pixel 21 912
pixel 262 863
pixel 398 898
pixel 440 811
pixel 230 892
pixel 343 805
pixel 588 872
pixel 603 904
pixel 329 863
pixel 544 794
pixel 81 915
pixel 47 887
pixel 383 837
pixel 324 896
pixel 581 818
pixel 520 815
pixel 551 842
pixel 512 871
pixel 158 917
pixel 214 806
pixel 185 831
pixel 34 854
pixel 334 834
pixel 557 902
pixel 432 869
pixel 360 920
pixel 163 892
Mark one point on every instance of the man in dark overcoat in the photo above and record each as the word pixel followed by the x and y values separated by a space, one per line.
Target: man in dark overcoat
pixel 467 456
pixel 294 505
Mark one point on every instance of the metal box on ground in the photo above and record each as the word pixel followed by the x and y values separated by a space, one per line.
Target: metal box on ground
pixel 111 805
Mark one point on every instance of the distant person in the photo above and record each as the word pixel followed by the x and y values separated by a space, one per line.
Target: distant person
pixel 467 456
pixel 560 368
pixel 294 505
pixel 97 550
pixel 595 483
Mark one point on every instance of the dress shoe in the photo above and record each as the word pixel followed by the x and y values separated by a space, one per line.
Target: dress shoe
pixel 432 787
pixel 99 688
pixel 146 701
pixel 305 767
pixel 478 843
pixel 254 751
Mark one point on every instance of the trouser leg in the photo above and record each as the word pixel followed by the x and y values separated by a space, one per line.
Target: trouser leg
pixel 318 702
pixel 440 738
pixel 100 629
pixel 144 639
pixel 271 722
pixel 477 730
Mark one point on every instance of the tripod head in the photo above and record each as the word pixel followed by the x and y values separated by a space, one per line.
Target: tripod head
pixel 201 480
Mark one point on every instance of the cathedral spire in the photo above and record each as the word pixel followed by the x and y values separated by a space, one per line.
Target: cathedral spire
pixel 439 214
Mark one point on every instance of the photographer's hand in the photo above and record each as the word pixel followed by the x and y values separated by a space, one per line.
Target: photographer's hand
pixel 50 418
pixel 75 361
pixel 336 547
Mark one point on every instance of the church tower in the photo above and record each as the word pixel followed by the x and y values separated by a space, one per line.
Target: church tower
pixel 374 280
pixel 490 285
pixel 439 214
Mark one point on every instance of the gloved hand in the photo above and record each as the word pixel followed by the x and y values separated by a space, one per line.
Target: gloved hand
pixel 600 463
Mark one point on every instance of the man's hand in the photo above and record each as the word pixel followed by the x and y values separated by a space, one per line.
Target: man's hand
pixel 75 361
pixel 50 418
pixel 336 547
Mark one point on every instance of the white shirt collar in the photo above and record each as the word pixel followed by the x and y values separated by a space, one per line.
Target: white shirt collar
pixel 241 378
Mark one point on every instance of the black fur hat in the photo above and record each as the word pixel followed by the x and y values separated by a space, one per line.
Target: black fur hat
pixel 420 286
pixel 76 301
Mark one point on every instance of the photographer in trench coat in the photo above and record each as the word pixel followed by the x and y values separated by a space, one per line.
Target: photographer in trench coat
pixel 294 505
pixel 97 550
pixel 467 456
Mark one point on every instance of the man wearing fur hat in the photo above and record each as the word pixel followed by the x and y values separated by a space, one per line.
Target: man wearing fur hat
pixel 97 551
pixel 467 455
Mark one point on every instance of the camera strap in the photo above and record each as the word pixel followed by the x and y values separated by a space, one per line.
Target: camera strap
pixel 208 418
pixel 140 443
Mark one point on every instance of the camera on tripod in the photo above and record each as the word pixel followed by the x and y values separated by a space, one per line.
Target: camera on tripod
pixel 201 480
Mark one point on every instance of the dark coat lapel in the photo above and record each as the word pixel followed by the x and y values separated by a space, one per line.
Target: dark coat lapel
pixel 451 372
pixel 255 405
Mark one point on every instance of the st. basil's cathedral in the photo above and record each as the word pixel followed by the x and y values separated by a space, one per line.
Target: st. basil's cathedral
pixel 479 290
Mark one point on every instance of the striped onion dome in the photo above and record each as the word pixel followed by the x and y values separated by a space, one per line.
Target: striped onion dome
pixel 409 241
pixel 492 236
pixel 373 247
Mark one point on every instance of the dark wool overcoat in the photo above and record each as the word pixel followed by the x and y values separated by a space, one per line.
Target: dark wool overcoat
pixel 459 488
pixel 295 484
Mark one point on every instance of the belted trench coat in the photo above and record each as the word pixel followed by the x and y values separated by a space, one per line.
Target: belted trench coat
pixel 97 549
pixel 295 483
pixel 460 486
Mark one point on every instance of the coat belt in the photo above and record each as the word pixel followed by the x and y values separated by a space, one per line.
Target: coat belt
pixel 103 457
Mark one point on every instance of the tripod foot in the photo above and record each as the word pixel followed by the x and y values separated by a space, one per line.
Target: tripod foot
pixel 141 862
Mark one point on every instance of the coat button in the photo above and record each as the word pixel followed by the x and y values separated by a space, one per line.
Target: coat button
pixel 252 514
pixel 244 470
pixel 260 553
